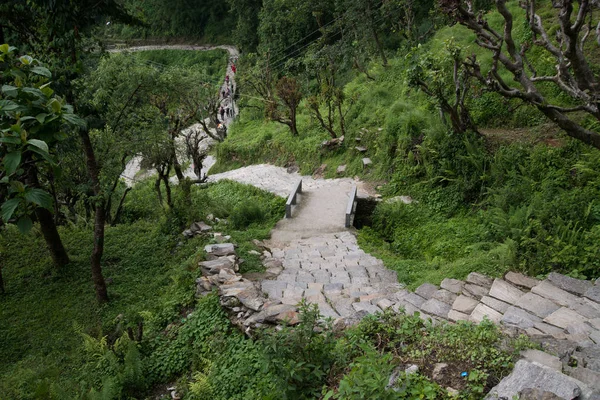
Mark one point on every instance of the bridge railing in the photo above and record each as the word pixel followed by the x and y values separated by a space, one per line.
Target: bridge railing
pixel 351 208
pixel 292 198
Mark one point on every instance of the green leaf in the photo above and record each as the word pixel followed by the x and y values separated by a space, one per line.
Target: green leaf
pixel 10 90
pixel 75 120
pixel 26 60
pixel 40 144
pixel 55 105
pixel 10 139
pixel 45 155
pixel 4 180
pixel 39 197
pixel 41 117
pixel 43 71
pixel 11 161
pixel 4 48
pixel 8 208
pixel 24 224
pixel 7 105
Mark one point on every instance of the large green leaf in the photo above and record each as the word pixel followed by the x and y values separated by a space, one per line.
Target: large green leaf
pixel 8 105
pixel 39 144
pixel 10 139
pixel 11 161
pixel 39 197
pixel 75 120
pixel 8 208
pixel 42 71
pixel 24 224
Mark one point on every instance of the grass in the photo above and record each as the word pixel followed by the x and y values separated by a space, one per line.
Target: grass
pixel 148 266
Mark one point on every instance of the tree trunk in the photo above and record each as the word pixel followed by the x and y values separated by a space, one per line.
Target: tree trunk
pixel 2 290
pixel 157 188
pixel 48 227
pixel 165 179
pixel 380 47
pixel 100 220
pixel 293 125
pixel 115 220
pixel 52 238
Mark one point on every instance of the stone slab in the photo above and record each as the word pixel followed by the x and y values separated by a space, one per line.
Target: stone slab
pixel 407 308
pixel 527 375
pixel 482 311
pixel 452 285
pixel 593 293
pixel 464 304
pixel 563 317
pixel 221 249
pixel 476 278
pixel 436 307
pixel 504 291
pixel 540 357
pixel 445 295
pixel 414 299
pixel 475 291
pixel 426 290
pixel 537 305
pixel 518 279
pixel 585 375
pixel 548 329
pixel 557 295
pixel 366 306
pixel 520 318
pixel 455 316
pixel 571 285
pixel 384 304
pixel 496 304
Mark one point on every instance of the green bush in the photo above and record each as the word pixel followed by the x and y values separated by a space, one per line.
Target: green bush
pixel 246 214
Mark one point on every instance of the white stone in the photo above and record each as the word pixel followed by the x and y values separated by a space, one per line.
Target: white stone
pixel 564 317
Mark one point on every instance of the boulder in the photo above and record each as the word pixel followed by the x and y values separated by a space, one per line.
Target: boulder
pixel 527 375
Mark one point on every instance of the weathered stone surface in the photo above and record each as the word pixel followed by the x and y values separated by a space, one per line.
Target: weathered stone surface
pixel 482 311
pixel 548 329
pixel 551 292
pixel 563 349
pixel 436 307
pixel 563 317
pixel 426 290
pixel 452 285
pixel 464 304
pixel 520 318
pixel 595 337
pixel 579 328
pixel 585 375
pixel 572 285
pixel 438 371
pixel 537 305
pixel 269 314
pixel 496 304
pixel 384 304
pixel 326 310
pixel 221 249
pixel 595 323
pixel 586 308
pixel 414 299
pixel 366 162
pixel 341 169
pixel 476 278
pixel 213 267
pixel 593 293
pixel 455 316
pixel 588 357
pixel 407 308
pixel 274 289
pixel 200 227
pixel 537 394
pixel 504 291
pixel 521 280
pixel 475 291
pixel 543 358
pixel 366 306
pixel 445 296
pixel 527 375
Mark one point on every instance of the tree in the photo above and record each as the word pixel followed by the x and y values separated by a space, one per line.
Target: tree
pixel 32 122
pixel 445 80
pixel 570 52
pixel 289 97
